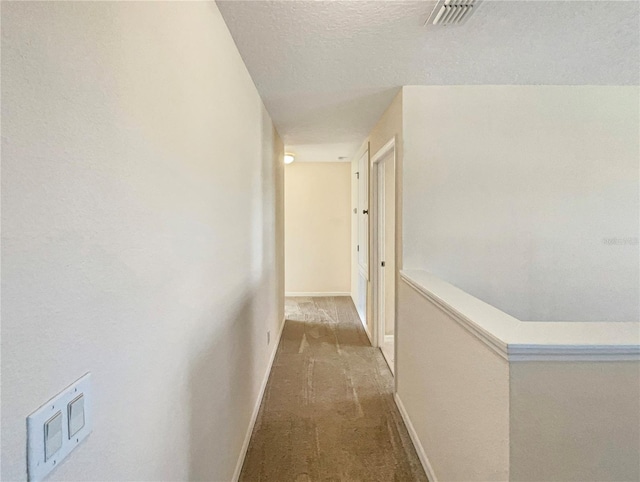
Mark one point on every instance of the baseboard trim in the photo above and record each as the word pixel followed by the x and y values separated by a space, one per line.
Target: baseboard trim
pixel 366 330
pixel 364 324
pixel 416 441
pixel 256 408
pixel 388 338
pixel 315 294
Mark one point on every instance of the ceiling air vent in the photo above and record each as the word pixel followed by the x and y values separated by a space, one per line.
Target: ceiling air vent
pixel 452 12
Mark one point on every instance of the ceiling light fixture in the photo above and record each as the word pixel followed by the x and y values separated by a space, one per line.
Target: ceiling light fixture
pixel 289 158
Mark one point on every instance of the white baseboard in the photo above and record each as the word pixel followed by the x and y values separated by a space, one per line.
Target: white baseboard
pixel 364 324
pixel 316 294
pixel 256 408
pixel 416 441
pixel 388 338
pixel 366 330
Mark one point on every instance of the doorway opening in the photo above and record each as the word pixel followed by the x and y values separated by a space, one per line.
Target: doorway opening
pixel 383 185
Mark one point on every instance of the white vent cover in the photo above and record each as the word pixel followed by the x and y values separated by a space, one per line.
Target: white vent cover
pixel 452 12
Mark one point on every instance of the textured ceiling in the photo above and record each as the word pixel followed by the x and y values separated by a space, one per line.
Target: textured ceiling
pixel 327 70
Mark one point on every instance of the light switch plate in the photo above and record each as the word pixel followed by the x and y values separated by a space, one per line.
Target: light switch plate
pixel 38 466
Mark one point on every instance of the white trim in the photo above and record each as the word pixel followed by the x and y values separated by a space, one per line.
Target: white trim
pixel 377 304
pixel 516 340
pixel 360 152
pixel 486 337
pixel 422 455
pixel 362 321
pixel 366 330
pixel 315 294
pixel 388 338
pixel 601 353
pixel 378 247
pixel 384 150
pixel 256 408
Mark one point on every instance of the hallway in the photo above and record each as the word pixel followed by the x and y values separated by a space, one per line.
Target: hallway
pixel 212 210
pixel 328 412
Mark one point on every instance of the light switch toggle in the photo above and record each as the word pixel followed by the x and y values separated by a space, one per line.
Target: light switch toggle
pixel 52 435
pixel 76 415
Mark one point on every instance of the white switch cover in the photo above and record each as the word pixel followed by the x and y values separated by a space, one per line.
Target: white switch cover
pixel 52 435
pixel 57 427
pixel 76 415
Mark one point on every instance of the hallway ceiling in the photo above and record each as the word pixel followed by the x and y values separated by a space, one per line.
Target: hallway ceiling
pixel 327 70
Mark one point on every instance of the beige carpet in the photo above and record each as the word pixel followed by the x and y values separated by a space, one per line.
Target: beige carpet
pixel 328 412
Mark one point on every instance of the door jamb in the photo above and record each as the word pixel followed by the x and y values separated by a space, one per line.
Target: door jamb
pixel 389 147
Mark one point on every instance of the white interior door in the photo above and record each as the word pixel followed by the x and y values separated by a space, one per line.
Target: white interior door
pixel 362 243
pixel 363 215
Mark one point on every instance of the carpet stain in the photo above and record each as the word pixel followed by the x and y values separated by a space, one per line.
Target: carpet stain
pixel 328 412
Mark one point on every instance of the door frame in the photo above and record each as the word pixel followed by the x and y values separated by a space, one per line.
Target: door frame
pixel 378 245
pixel 376 164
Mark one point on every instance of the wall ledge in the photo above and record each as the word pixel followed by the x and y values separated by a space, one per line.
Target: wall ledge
pixel 516 340
pixel 315 294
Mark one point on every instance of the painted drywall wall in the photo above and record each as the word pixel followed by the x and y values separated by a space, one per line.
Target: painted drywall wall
pixel 567 417
pixel 455 391
pixel 388 127
pixel 141 234
pixel 278 154
pixel 575 421
pixel 526 196
pixel 317 227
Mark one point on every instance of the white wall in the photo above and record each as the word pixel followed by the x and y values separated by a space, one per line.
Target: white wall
pixel 317 227
pixel 575 421
pixel 514 193
pixel 140 234
pixel 455 391
pixel 558 402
